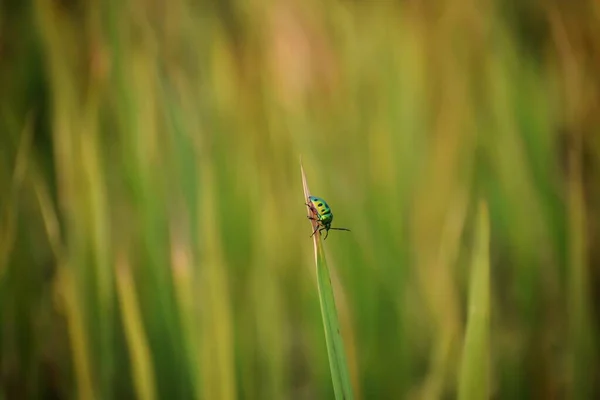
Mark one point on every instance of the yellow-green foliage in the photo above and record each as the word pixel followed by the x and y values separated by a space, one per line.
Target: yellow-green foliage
pixel 154 241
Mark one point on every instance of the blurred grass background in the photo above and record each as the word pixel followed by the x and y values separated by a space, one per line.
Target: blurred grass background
pixel 153 238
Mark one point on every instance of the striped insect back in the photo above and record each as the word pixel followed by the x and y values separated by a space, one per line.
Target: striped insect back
pixel 322 215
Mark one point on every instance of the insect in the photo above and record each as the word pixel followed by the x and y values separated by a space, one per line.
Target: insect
pixel 323 215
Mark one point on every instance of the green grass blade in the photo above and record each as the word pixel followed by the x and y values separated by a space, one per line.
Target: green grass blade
pixel 581 330
pixel 139 349
pixel 335 346
pixel 473 378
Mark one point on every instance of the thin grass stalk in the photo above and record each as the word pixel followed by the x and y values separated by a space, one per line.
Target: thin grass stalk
pixel 78 336
pixel 8 218
pixel 474 369
pixel 581 346
pixel 217 336
pixel 183 278
pixel 335 347
pixel 137 341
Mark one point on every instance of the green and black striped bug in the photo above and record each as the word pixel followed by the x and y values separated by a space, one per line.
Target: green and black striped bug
pixel 323 215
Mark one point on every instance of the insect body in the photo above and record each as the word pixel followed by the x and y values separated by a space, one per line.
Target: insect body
pixel 322 215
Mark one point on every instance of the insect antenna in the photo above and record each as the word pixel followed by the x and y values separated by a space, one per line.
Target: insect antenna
pixel 340 229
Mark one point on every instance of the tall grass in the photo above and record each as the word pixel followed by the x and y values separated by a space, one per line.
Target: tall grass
pixel 336 351
pixel 474 372
pixel 151 228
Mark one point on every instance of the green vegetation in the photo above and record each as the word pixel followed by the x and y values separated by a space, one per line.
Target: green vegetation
pixel 331 324
pixel 153 237
pixel 474 373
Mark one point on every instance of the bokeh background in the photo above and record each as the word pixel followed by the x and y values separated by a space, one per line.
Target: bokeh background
pixel 153 238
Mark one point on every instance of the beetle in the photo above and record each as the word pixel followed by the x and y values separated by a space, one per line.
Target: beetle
pixel 322 215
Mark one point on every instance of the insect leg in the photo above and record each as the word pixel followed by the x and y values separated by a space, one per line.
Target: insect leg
pixel 315 231
pixel 312 208
pixel 326 233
